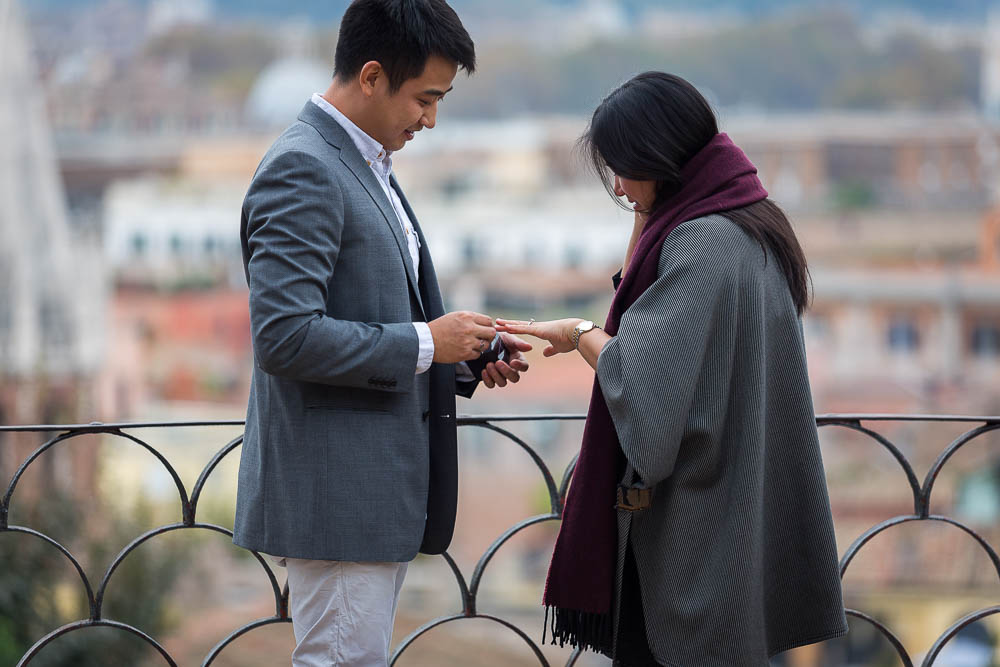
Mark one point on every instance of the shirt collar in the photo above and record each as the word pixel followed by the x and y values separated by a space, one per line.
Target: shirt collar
pixel 372 151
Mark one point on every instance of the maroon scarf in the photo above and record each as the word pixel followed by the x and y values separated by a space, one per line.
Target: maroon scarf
pixel 580 586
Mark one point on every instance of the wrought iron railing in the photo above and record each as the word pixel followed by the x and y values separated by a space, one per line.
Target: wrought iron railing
pixel 469 588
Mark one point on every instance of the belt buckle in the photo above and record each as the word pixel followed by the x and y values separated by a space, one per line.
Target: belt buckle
pixel 633 499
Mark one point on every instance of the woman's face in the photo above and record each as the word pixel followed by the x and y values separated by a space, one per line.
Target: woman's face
pixel 641 194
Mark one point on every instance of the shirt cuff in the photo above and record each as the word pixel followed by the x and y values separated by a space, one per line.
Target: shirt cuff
pixel 425 355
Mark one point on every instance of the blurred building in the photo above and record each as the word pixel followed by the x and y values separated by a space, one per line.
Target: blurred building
pixel 173 232
pixel 905 340
pixel 165 15
pixel 858 160
pixel 990 67
pixel 52 286
pixel 53 289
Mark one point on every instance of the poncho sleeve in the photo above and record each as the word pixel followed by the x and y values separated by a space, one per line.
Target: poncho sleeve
pixel 675 344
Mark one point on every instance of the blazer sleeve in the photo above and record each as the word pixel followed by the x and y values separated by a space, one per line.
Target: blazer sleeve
pixel 294 217
pixel 682 324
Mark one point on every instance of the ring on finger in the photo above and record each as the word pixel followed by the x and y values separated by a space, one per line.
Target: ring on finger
pixel 482 345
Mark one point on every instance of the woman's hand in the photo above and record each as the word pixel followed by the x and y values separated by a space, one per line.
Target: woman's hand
pixel 559 333
pixel 639 223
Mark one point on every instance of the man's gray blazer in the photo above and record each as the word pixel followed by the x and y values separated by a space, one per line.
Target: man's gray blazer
pixel 346 450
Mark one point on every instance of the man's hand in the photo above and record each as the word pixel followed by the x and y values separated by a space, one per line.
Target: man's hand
pixel 461 336
pixel 500 373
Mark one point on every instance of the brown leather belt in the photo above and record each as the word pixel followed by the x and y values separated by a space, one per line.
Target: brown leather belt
pixel 634 499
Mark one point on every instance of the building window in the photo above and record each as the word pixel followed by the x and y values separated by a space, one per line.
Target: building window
pixel 817 326
pixel 978 495
pixel 985 340
pixel 6 292
pixel 573 256
pixel 903 335
pixel 470 253
pixel 929 177
pixel 6 319
pixel 138 245
pixel 532 254
pixel 56 328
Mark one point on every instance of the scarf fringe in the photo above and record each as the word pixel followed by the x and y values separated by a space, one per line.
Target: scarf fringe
pixel 582 629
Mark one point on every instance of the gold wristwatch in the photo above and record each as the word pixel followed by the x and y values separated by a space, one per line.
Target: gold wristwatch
pixel 580 329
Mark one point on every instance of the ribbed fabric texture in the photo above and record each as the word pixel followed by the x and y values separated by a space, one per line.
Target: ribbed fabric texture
pixel 707 386
pixel 581 578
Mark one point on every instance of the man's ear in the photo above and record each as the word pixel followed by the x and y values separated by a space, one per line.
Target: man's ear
pixel 369 76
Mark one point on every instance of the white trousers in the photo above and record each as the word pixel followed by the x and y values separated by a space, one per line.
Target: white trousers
pixel 342 613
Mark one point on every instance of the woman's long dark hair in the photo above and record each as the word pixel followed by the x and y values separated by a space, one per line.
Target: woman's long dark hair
pixel 649 128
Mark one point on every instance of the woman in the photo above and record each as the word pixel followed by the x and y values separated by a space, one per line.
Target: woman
pixel 701 429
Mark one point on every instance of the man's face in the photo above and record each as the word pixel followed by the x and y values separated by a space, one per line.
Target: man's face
pixel 396 117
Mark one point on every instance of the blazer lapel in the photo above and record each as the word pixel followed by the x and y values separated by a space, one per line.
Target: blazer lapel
pixel 337 137
pixel 428 277
pixel 351 157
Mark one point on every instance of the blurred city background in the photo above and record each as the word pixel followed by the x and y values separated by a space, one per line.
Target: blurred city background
pixel 129 131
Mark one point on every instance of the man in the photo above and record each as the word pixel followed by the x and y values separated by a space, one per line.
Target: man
pixel 349 464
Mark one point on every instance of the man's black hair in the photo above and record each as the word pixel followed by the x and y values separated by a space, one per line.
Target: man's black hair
pixel 401 35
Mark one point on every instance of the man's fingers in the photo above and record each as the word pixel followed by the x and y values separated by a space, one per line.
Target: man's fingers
pixel 484 332
pixel 482 320
pixel 508 372
pixel 519 365
pixel 487 380
pixel 516 343
pixel 495 375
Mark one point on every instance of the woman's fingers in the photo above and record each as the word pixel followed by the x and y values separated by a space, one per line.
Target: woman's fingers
pixel 536 329
pixel 549 351
pixel 525 331
pixel 516 327
pixel 519 326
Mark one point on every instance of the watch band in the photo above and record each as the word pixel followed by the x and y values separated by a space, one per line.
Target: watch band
pixel 577 332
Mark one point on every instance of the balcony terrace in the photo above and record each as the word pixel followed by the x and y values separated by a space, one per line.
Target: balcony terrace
pixel 872 428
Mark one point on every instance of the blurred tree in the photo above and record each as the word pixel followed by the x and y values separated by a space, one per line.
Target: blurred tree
pixel 41 591
pixel 852 196
pixel 226 59
pixel 793 61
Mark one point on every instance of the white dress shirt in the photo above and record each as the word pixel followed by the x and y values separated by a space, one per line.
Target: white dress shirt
pixel 380 161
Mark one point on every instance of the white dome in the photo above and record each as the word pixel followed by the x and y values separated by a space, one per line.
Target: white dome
pixel 283 87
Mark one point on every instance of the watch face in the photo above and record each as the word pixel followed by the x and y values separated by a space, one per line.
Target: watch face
pixel 585 326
